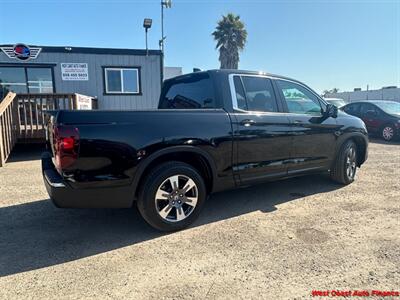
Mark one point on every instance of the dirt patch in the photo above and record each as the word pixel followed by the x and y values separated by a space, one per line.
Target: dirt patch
pixel 352 207
pixel 389 251
pixel 312 235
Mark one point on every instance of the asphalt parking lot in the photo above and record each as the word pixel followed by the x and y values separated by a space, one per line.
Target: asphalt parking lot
pixel 279 240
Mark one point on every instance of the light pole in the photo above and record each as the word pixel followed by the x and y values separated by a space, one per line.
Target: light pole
pixel 147 25
pixel 167 4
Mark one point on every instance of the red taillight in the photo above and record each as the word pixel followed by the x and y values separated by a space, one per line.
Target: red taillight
pixel 66 146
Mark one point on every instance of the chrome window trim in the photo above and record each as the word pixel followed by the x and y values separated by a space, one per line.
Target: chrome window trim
pixel 234 99
pixel 233 93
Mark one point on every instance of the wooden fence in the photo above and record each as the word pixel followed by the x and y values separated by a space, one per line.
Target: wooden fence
pixel 8 121
pixel 22 117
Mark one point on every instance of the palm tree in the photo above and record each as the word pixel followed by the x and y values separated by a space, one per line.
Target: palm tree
pixel 326 93
pixel 231 36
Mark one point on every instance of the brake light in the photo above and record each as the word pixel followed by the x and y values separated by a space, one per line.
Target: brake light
pixel 66 146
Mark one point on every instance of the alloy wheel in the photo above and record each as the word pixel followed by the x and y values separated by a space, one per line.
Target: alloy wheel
pixel 351 163
pixel 176 198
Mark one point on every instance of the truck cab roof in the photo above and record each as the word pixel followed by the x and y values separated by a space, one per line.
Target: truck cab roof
pixel 231 71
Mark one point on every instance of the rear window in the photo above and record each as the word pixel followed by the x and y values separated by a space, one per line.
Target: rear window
pixel 192 92
pixel 353 109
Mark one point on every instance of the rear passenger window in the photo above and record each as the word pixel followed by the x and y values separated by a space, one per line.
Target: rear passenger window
pixel 255 94
pixel 191 92
pixel 367 107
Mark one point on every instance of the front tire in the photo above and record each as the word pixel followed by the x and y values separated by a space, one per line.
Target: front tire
pixel 345 165
pixel 388 132
pixel 172 196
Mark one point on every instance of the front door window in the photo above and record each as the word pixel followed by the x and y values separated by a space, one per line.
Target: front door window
pixel 298 99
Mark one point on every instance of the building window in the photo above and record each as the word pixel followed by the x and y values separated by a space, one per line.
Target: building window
pixel 25 80
pixel 40 80
pixel 12 80
pixel 121 80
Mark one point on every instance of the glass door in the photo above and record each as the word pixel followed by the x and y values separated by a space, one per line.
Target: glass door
pixel 40 80
pixel 12 80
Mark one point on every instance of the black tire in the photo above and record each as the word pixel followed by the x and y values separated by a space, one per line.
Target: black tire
pixel 149 206
pixel 340 169
pixel 388 132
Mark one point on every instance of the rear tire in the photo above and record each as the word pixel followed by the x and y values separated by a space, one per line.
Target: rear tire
pixel 345 166
pixel 388 132
pixel 172 196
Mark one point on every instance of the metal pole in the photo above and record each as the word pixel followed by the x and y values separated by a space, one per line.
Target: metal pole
pixel 147 49
pixel 162 27
pixel 162 40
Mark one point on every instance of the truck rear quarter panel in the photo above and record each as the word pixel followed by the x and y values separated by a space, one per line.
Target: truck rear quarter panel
pixel 113 144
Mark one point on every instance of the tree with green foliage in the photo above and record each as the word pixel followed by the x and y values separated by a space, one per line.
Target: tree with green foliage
pixel 230 35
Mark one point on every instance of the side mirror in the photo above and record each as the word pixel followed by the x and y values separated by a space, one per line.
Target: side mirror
pixel 331 111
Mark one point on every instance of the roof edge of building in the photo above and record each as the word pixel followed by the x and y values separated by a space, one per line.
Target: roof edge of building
pixel 92 50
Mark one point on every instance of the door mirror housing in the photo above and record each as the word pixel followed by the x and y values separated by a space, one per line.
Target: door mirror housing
pixel 331 111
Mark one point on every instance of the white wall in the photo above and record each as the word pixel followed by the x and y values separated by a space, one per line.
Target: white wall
pixel 170 72
pixel 382 94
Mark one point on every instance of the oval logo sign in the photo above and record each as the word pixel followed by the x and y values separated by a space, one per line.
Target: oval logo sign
pixel 22 51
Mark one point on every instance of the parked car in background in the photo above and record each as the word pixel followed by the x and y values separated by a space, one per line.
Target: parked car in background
pixel 381 117
pixel 336 101
pixel 213 131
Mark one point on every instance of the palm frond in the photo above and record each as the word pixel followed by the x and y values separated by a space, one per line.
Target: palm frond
pixel 231 36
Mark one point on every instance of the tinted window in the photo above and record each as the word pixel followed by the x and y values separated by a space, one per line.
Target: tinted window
pixel 353 109
pixel 194 91
pixel 12 79
pixel 256 94
pixel 25 79
pixel 114 82
pixel 367 107
pixel 240 94
pixel 298 99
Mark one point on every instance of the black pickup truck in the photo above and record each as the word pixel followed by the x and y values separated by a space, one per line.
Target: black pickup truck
pixel 214 130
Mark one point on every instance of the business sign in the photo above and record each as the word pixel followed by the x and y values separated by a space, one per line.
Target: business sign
pixel 74 71
pixel 21 52
pixel 83 102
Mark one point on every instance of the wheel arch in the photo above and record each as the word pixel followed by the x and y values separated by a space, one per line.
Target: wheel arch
pixel 195 157
pixel 361 142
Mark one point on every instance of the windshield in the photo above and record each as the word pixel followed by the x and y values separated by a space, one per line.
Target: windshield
pixel 389 107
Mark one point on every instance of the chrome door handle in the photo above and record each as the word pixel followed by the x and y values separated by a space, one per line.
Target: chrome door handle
pixel 247 122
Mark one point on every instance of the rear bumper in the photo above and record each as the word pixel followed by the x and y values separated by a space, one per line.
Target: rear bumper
pixel 63 195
